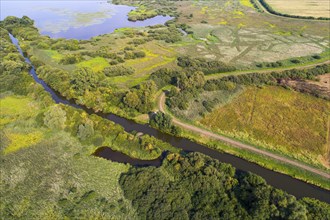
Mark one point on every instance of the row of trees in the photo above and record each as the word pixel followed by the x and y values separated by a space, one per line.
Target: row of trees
pixel 268 78
pixel 118 70
pixel 195 186
pixel 201 64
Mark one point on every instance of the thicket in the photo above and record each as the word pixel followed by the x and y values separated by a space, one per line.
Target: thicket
pixel 165 76
pixel 195 186
pixel 168 34
pixel 118 70
pixel 71 59
pixel 163 122
pixel 201 64
pixel 140 97
pixel 268 78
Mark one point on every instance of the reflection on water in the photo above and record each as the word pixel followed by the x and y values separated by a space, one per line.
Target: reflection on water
pixel 75 19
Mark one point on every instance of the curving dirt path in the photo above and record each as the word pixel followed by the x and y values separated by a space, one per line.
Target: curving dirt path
pixel 238 144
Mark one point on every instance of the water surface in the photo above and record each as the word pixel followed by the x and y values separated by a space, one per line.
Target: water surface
pixel 75 19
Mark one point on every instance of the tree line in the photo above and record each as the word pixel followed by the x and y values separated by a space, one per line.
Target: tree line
pixel 195 186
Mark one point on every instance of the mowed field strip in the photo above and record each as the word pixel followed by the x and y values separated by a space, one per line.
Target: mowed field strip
pixel 240 145
pixel 319 8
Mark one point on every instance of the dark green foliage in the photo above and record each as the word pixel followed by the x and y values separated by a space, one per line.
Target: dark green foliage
pixel 163 122
pixel 295 61
pixel 190 85
pixel 134 54
pixel 270 65
pixel 267 78
pixel 137 41
pixel 83 79
pixel 316 210
pixel 317 57
pixel 63 44
pixel 119 70
pixel 198 187
pixel 201 64
pixel 140 97
pixel 168 34
pixel 164 76
pixel 71 59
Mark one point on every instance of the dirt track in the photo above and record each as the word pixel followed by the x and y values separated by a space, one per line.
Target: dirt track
pixel 240 145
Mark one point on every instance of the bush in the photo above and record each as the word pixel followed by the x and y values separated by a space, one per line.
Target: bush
pixel 55 118
pixel 119 70
pixel 200 64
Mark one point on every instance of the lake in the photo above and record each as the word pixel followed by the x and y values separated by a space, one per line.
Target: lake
pixel 75 19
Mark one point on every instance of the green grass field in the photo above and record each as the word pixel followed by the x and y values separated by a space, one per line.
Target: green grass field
pixel 290 122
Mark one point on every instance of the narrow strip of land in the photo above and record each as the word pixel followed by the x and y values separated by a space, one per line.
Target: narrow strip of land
pixel 219 75
pixel 240 145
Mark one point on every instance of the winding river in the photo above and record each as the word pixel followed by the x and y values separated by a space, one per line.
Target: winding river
pixel 291 185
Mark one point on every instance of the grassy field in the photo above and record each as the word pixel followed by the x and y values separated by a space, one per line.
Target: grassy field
pixel 282 120
pixel 96 64
pixel 312 8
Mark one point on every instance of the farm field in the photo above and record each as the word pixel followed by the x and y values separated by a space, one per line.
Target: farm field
pixel 283 120
pixel 320 8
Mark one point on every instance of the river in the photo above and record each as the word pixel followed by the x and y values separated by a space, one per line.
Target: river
pixel 291 185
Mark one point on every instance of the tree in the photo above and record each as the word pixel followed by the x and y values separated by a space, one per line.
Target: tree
pixel 83 79
pixel 132 99
pixel 86 130
pixel 55 117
